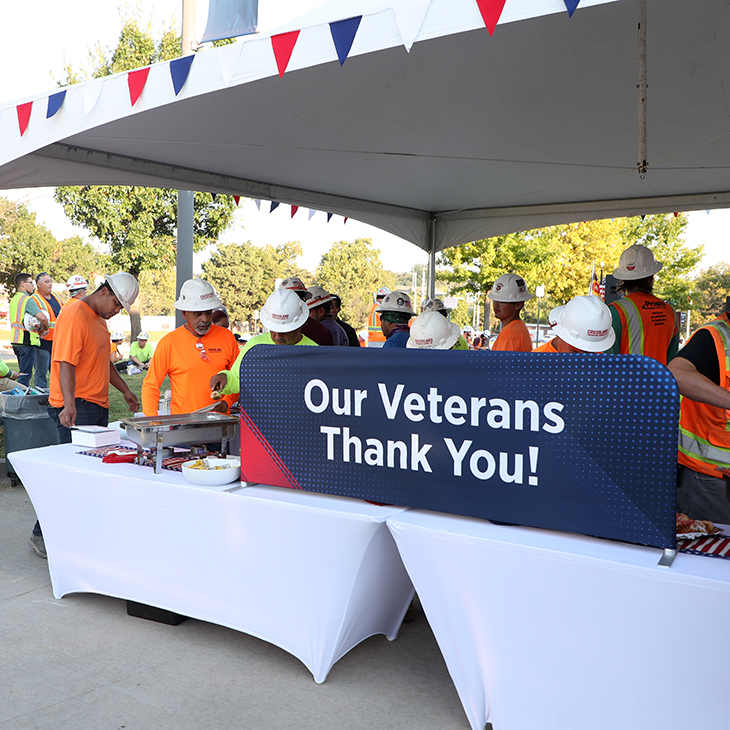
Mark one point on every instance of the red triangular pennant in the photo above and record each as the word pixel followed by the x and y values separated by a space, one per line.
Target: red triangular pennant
pixel 237 198
pixel 491 11
pixel 345 221
pixel 24 116
pixel 283 45
pixel 136 80
pixel 294 209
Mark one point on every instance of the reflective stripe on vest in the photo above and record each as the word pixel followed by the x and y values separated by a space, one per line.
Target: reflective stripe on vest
pixel 634 325
pixel 47 309
pixel 17 310
pixel 702 417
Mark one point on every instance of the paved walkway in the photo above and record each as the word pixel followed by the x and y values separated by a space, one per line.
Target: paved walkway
pixel 80 663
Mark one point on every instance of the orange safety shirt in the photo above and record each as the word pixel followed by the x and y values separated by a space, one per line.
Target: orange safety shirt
pixel 82 340
pixel 644 325
pixel 548 346
pixel 375 333
pixel 190 373
pixel 514 337
pixel 704 430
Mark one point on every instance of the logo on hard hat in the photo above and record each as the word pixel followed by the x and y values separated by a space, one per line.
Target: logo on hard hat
pixel 422 343
pixel 400 301
pixel 631 266
pixel 282 317
pixel 208 295
pixel 497 287
pixel 597 333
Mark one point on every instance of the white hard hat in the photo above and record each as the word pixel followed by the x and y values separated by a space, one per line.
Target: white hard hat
pixel 396 301
pixel 319 296
pixel 31 323
pixel 509 288
pixel 198 295
pixel 143 335
pixel 432 331
pixel 125 288
pixel 76 282
pixel 284 311
pixel 433 305
pixel 585 323
pixel 637 262
pixel 295 284
pixel 382 292
pixel 117 335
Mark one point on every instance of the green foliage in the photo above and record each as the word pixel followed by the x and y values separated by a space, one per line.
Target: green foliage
pixel 353 270
pixel 30 247
pixel 461 314
pixel 157 293
pixel 245 275
pixel 712 288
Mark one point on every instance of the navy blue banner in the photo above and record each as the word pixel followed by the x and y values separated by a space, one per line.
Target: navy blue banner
pixel 581 443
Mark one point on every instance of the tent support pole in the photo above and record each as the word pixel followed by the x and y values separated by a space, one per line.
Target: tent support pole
pixel 642 87
pixel 432 258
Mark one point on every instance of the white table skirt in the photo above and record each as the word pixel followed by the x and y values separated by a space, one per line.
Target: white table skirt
pixel 562 632
pixel 312 574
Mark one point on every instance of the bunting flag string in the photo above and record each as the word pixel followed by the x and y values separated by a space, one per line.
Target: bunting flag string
pixel 258 203
pixel 329 215
pixel 24 116
pixel 54 103
pixel 283 45
pixel 274 206
pixel 136 81
pixel 179 70
pixel 294 209
pixel 346 219
pixel 491 11
pixel 571 5
pixel 410 19
pixel 312 212
pixel 92 92
pixel 237 199
pixel 343 34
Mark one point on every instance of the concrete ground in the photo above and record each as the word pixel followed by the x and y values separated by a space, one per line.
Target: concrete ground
pixel 80 663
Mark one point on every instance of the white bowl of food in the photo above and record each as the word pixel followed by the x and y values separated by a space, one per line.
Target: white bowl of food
pixel 211 472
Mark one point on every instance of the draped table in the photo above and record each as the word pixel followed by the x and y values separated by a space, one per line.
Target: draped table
pixel 556 631
pixel 310 573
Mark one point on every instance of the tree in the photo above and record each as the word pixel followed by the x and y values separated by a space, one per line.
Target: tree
pixel 139 224
pixel 245 275
pixel 353 270
pixel 158 293
pixel 712 288
pixel 461 314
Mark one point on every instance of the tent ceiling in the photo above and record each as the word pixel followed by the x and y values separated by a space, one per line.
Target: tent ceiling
pixel 534 126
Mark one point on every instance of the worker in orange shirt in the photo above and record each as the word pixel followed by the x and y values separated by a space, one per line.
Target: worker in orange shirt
pixel 581 325
pixel 508 296
pixel 644 324
pixel 376 338
pixel 191 355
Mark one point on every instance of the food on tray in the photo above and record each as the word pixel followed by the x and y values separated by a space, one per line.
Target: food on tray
pixel 203 464
pixel 154 423
pixel 686 525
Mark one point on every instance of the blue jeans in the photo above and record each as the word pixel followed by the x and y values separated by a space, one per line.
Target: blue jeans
pixel 42 367
pixel 87 414
pixel 26 360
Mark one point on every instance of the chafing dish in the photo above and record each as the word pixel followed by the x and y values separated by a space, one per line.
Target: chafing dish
pixel 182 429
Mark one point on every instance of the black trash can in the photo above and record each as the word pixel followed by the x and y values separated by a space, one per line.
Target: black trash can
pixel 27 425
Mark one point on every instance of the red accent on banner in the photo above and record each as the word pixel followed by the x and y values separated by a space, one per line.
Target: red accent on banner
pixel 237 198
pixel 136 81
pixel 283 45
pixel 294 209
pixel 491 11
pixel 262 464
pixel 24 116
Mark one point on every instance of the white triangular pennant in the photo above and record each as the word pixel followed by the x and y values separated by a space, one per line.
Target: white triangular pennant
pixel 258 203
pixel 410 18
pixel 228 59
pixel 92 92
pixel 311 213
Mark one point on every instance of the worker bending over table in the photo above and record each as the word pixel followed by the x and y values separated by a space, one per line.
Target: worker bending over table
pixel 581 325
pixel 703 376
pixel 284 314
pixel 191 354
pixel 508 296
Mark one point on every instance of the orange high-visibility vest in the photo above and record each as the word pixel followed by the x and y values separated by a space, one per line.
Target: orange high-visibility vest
pixel 375 334
pixel 704 431
pixel 648 325
pixel 47 309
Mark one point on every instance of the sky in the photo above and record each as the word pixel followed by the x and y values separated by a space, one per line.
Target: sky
pixel 48 34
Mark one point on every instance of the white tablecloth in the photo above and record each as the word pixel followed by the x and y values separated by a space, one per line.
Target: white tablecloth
pixel 545 630
pixel 311 573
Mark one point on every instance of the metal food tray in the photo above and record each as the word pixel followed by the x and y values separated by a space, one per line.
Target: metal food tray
pixel 158 432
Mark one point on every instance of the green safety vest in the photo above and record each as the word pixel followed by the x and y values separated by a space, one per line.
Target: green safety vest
pixel 17 313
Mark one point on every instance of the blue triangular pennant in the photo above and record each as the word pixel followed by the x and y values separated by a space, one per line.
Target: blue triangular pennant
pixel 571 5
pixel 343 34
pixel 329 215
pixel 54 103
pixel 179 70
pixel 274 206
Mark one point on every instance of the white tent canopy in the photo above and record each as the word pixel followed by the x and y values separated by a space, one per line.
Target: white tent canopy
pixel 466 136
